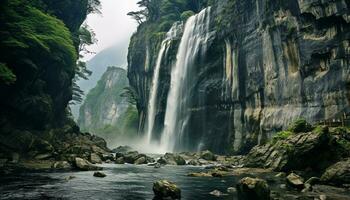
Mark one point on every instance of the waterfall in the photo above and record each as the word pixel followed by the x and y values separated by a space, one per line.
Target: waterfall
pixel 152 102
pixel 193 43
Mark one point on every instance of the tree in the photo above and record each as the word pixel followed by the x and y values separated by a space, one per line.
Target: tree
pixel 87 37
pixel 130 94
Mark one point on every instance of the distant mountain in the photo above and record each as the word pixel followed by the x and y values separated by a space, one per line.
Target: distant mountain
pixel 115 55
pixel 104 112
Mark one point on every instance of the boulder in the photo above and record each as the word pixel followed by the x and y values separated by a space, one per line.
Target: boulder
pixel 85 165
pixel 164 189
pixel 106 157
pixel 231 190
pixel 337 174
pixel 120 160
pixel 162 161
pixel 207 155
pixel 217 193
pixel 174 159
pixel 200 174
pixel 131 157
pixel 122 149
pixel 99 174
pixel 295 181
pixel 95 158
pixel 194 163
pixel 140 161
pixel 314 150
pixel 62 165
pixel 157 165
pixel 253 189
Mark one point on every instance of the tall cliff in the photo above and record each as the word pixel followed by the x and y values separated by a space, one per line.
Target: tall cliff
pixel 39 44
pixel 265 64
pixel 105 112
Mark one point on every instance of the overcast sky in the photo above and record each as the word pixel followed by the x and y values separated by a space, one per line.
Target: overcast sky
pixel 113 25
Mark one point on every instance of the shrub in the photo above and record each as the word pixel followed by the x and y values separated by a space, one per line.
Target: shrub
pixel 300 126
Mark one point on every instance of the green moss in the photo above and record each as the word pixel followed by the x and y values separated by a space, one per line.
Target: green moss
pixel 300 126
pixel 6 75
pixel 187 14
pixel 281 136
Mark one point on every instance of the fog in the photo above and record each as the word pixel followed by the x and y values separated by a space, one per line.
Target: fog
pixel 112 26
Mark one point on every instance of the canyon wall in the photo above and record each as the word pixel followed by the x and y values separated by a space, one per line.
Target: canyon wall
pixel 266 63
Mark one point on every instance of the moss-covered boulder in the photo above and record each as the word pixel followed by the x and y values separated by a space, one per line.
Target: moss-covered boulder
pixel 314 150
pixel 338 174
pixel 164 189
pixel 253 189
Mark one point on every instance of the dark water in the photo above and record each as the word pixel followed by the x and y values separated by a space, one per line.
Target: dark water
pixel 122 182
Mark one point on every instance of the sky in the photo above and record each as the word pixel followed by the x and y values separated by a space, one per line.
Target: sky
pixel 113 25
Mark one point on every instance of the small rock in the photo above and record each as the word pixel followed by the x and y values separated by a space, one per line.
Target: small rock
pixel 217 193
pixel 194 163
pixel 122 149
pixel 43 156
pixel 62 165
pixel 162 161
pixel 120 160
pixel 283 186
pixel 231 190
pixel 15 158
pixel 281 175
pixel 164 189
pixel 313 181
pixel 295 181
pixel 107 157
pixel 200 174
pixel 323 197
pixel 69 178
pixel 157 165
pixel 99 174
pixel 85 165
pixel 208 155
pixel 140 161
pixel 253 189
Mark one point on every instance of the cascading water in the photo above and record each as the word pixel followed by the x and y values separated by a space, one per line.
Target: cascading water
pixel 194 41
pixel 152 102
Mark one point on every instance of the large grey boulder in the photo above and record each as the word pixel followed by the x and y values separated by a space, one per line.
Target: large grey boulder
pixel 164 189
pixel 338 173
pixel 85 165
pixel 316 150
pixel 95 158
pixel 253 189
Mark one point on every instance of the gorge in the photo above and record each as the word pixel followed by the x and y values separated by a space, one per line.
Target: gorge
pixel 220 99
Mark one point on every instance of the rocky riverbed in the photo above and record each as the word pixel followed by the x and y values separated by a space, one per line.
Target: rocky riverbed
pixel 303 162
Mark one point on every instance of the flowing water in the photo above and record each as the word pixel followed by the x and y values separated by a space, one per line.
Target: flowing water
pixel 122 182
pixel 152 102
pixel 193 42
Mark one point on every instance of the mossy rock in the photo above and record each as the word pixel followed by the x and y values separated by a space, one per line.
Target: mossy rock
pixel 300 126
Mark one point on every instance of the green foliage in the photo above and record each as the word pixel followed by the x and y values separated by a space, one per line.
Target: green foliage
pixel 29 35
pixel 300 126
pixel 187 14
pixel 281 136
pixel 6 75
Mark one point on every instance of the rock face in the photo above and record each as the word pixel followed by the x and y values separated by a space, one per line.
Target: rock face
pixel 266 64
pixel 253 189
pixel 164 189
pixel 338 173
pixel 105 112
pixel 316 150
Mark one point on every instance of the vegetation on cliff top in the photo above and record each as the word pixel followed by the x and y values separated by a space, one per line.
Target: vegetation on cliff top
pixel 39 41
